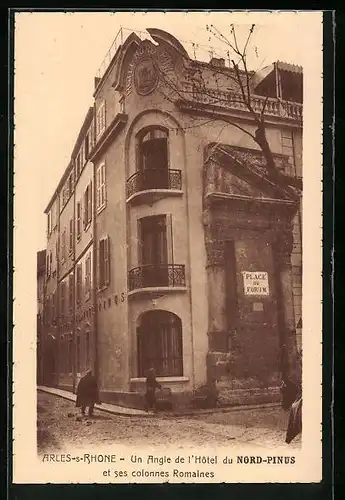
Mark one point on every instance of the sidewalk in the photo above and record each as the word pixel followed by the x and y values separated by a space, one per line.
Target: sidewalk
pixel 133 412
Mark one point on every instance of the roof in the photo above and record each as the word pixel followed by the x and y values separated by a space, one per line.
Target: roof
pixel 263 73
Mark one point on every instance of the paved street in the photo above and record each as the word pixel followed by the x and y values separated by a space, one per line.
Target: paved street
pixel 59 429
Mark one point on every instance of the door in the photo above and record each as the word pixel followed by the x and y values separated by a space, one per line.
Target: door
pixel 154 252
pixel 154 160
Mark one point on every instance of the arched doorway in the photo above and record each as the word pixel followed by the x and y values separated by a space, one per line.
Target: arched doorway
pixel 160 344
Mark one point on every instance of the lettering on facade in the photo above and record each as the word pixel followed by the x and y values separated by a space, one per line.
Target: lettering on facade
pixel 255 283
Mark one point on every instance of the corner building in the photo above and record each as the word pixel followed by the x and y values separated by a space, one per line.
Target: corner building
pixel 189 257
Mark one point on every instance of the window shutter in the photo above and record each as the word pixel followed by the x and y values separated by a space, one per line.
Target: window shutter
pixel 101 264
pixel 90 203
pixel 107 261
pixel 98 187
pixel 169 233
pixel 104 190
pixel 85 209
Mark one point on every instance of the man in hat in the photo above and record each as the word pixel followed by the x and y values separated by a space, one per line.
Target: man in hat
pixel 87 393
pixel 151 386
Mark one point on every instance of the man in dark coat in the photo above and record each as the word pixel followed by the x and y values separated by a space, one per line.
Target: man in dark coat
pixel 87 393
pixel 151 385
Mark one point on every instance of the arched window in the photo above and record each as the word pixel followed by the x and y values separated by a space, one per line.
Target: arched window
pixel 153 158
pixel 160 344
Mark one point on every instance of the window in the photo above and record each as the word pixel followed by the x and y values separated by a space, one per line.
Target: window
pixel 88 205
pixel 71 291
pixel 104 262
pixel 62 299
pixel 153 159
pixel 155 249
pixel 56 212
pixel 63 246
pixel 49 223
pixel 101 187
pixel 87 146
pixel 77 165
pixel 71 233
pixel 88 277
pixel 70 185
pixel 100 120
pixel 79 283
pixel 160 344
pixel 50 262
pixel 82 157
pixel 78 220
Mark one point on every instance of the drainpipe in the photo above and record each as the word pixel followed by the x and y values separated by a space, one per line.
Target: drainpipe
pixel 94 274
pixel 73 297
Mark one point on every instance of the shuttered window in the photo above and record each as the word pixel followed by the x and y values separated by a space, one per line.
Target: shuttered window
pixel 100 119
pixel 100 187
pixel 88 277
pixel 79 283
pixel 78 220
pixel 87 206
pixel 104 262
pixel 71 236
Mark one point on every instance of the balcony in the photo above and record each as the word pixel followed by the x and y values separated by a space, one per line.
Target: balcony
pixel 155 280
pixel 150 185
pixel 274 108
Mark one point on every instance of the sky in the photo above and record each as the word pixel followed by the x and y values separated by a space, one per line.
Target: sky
pixel 56 59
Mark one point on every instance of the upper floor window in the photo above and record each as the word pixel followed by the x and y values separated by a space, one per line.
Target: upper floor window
pixel 88 277
pixel 63 246
pixel 88 205
pixel 78 220
pixel 100 120
pixel 87 145
pixel 153 149
pixel 153 159
pixel 71 234
pixel 104 262
pixel 79 283
pixel 100 187
pixel 82 157
pixel 49 223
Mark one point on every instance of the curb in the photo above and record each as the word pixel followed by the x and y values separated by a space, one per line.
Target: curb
pixel 143 414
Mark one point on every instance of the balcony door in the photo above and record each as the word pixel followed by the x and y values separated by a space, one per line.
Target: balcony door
pixel 154 250
pixel 153 160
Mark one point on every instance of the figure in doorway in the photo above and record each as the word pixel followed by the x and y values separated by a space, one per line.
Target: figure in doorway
pixel 87 393
pixel 151 386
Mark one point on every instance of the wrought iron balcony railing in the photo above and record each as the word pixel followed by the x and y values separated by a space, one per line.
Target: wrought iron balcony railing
pixel 154 179
pixel 158 275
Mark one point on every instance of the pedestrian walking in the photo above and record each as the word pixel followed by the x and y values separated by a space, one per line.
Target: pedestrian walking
pixel 151 386
pixel 87 393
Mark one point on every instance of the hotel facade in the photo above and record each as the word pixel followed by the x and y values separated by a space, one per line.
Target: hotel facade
pixel 168 244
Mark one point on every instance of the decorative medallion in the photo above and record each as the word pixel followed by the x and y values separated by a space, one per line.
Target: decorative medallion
pixel 145 77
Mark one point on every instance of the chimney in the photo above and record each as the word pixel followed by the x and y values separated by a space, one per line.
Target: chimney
pixel 217 62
